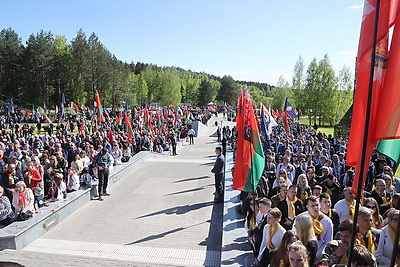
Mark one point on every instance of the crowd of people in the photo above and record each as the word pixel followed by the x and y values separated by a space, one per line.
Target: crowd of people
pixel 41 167
pixel 303 209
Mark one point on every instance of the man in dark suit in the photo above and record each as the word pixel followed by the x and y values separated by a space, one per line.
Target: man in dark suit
pixel 265 206
pixel 290 207
pixel 218 171
pixel 379 194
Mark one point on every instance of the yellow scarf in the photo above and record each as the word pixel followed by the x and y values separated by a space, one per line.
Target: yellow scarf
pixel 292 210
pixel 391 203
pixel 370 246
pixel 328 190
pixel 343 260
pixel 303 195
pixel 272 232
pixel 318 227
pixel 392 233
pixel 252 223
pixel 351 209
pixel 384 199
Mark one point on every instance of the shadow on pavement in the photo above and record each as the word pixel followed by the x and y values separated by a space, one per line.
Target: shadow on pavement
pixel 234 225
pixel 208 164
pixel 179 209
pixel 214 239
pixel 188 191
pixel 161 235
pixel 191 179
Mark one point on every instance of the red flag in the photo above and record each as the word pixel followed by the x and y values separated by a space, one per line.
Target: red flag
pixel 99 107
pixel 386 19
pixel 388 124
pixel 250 162
pixel 27 114
pixel 110 136
pixel 276 114
pixel 82 126
pixel 47 119
pixel 73 105
pixel 119 119
pixel 128 123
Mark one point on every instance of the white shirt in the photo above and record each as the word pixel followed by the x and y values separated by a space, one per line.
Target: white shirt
pixel 383 253
pixel 29 201
pixel 342 209
pixel 325 237
pixel 284 167
pixel 276 239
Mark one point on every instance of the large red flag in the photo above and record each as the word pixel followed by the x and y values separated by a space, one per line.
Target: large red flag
pixel 388 124
pixel 250 163
pixel 356 139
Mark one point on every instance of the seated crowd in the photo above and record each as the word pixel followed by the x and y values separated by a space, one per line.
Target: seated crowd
pixel 37 169
pixel 304 203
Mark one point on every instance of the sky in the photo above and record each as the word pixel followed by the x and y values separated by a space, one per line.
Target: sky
pixel 254 40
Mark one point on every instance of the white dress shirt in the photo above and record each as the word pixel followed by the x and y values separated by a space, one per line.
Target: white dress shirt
pixel 276 239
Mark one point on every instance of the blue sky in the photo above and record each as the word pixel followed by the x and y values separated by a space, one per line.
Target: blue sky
pixel 249 40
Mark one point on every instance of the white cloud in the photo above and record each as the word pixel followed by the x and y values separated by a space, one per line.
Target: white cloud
pixel 356 7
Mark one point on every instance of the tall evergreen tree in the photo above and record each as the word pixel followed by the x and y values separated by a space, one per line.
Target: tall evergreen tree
pixel 229 90
pixel 38 63
pixel 206 93
pixel 11 51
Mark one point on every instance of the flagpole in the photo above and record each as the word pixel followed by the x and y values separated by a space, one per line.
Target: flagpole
pixel 396 239
pixel 361 165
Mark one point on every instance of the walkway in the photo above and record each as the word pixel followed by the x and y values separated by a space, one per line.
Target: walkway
pixel 162 213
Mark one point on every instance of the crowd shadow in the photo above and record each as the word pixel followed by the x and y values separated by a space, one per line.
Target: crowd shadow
pixel 179 209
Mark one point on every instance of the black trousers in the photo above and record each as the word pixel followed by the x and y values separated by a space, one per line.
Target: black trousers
pixel 103 181
pixel 219 186
pixel 191 139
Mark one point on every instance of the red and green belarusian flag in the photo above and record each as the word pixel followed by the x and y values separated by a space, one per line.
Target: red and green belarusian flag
pixel 99 107
pixel 250 160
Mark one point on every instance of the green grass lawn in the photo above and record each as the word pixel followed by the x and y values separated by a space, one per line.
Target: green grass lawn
pixel 323 129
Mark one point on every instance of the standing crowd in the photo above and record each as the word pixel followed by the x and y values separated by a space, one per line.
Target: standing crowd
pixel 303 209
pixel 37 169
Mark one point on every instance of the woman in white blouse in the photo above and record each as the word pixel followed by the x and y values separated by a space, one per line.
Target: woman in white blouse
pixel 383 253
pixel 272 236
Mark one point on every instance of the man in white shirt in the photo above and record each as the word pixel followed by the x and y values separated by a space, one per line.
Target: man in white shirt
pixel 323 226
pixel 345 207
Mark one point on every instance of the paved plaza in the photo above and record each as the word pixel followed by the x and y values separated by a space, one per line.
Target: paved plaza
pixel 160 214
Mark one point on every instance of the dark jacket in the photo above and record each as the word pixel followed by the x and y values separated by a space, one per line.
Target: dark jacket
pixel 219 165
pixel 283 207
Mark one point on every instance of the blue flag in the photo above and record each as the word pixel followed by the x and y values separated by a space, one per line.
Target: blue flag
pixel 264 130
pixel 289 109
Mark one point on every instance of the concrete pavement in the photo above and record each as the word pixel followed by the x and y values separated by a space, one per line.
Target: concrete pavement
pixel 161 213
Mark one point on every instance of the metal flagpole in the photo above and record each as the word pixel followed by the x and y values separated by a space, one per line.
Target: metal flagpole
pixel 361 166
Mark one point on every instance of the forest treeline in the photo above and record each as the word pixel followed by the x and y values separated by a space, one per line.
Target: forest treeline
pixel 37 72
